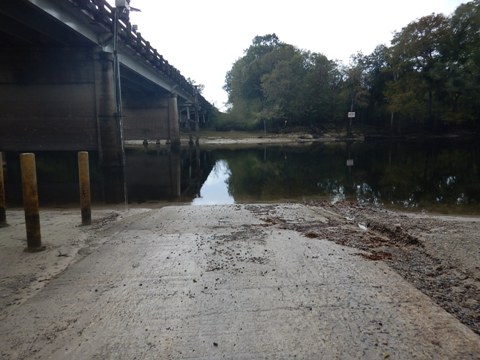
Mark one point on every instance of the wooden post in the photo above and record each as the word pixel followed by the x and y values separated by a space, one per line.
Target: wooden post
pixel 84 187
pixel 3 214
pixel 30 202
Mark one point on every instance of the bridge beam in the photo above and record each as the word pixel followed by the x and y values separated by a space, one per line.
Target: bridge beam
pixel 59 99
pixel 47 97
pixel 57 87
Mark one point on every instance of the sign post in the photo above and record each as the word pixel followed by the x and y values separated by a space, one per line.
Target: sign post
pixel 351 116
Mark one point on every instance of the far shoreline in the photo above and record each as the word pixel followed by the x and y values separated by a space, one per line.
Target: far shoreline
pixel 226 138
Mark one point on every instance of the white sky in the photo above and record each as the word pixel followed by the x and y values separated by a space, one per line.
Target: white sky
pixel 214 190
pixel 203 38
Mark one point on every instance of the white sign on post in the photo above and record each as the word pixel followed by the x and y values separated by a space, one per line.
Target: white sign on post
pixel 351 114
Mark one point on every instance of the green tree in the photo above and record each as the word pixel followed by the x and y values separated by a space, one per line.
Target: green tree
pixel 279 83
pixel 415 51
pixel 427 79
pixel 463 65
pixel 243 82
pixel 283 87
pixel 377 74
pixel 324 82
pixel 355 92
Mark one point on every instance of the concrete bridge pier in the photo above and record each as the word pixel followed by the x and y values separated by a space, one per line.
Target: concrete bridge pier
pixel 173 120
pixel 151 116
pixel 110 123
pixel 144 115
pixel 187 121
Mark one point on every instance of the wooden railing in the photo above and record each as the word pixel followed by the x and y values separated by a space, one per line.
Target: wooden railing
pixel 103 14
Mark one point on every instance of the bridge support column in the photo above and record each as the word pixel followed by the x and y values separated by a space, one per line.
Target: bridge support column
pixel 188 119
pixel 174 128
pixel 110 126
pixel 197 119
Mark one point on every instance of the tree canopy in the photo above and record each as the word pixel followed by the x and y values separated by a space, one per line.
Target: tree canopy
pixel 428 79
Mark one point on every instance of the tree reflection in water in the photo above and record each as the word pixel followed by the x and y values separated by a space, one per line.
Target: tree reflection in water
pixel 438 175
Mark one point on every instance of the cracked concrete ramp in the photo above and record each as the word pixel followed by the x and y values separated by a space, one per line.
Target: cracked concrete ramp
pixel 214 282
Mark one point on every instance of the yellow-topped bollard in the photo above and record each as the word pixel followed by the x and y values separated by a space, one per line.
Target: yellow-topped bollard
pixel 84 184
pixel 30 202
pixel 3 214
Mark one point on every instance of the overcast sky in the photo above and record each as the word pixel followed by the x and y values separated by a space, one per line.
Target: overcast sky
pixel 203 38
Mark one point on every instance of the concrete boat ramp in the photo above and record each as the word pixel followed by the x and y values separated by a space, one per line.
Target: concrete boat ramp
pixel 215 282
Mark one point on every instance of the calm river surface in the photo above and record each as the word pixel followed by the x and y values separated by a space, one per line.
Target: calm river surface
pixel 437 175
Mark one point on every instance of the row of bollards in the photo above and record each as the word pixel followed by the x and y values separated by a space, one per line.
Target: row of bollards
pixel 30 197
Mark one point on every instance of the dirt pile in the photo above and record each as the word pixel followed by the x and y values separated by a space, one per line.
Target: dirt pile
pixel 439 255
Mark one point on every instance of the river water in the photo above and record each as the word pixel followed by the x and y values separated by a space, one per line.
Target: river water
pixel 437 175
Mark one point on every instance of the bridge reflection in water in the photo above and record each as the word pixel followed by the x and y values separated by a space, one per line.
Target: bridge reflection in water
pixel 152 174
pixel 440 175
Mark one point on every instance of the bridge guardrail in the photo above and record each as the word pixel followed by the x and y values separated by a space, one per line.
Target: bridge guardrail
pixel 103 13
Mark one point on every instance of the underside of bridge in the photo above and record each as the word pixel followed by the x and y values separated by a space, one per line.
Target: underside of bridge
pixel 57 87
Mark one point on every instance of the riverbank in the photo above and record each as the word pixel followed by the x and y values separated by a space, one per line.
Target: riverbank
pixel 209 138
pixel 241 138
pixel 246 138
pixel 436 254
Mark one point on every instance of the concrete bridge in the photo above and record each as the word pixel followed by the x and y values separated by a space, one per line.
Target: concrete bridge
pixel 74 75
